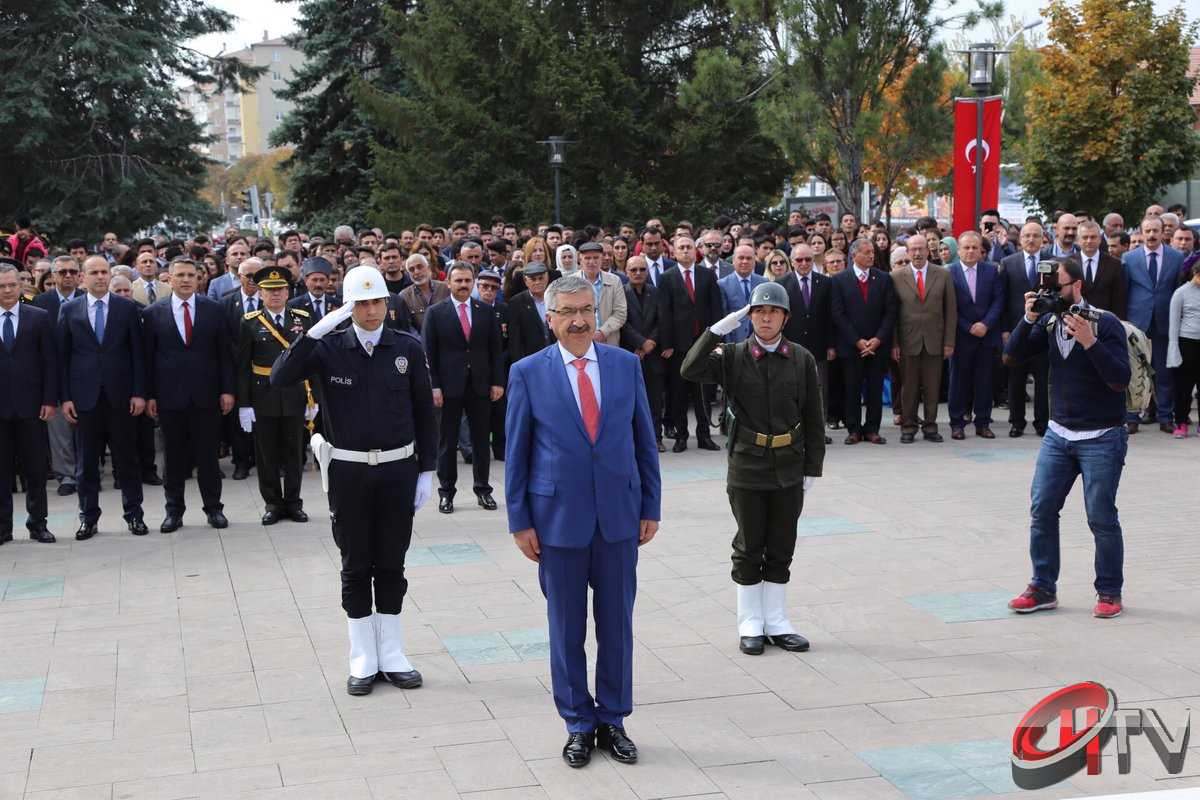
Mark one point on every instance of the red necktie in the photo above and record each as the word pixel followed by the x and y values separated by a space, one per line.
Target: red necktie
pixel 921 285
pixel 187 325
pixel 587 399
pixel 466 323
pixel 687 281
pixel 862 287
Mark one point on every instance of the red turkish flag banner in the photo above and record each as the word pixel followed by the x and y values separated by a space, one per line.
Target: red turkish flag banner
pixel 967 158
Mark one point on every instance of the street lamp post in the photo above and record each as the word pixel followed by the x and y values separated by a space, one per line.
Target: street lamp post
pixel 981 71
pixel 558 157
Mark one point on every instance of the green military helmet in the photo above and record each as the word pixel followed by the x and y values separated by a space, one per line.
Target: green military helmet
pixel 770 294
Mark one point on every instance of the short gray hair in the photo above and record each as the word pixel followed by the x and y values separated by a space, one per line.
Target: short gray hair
pixel 567 284
pixel 1170 217
pixel 469 245
pixel 1090 225
pixel 418 259
pixel 64 259
pixel 115 280
pixel 7 268
pixel 122 269
pixel 859 244
pixel 343 233
pixel 898 253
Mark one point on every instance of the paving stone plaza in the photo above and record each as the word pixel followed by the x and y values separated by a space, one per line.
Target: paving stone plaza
pixel 207 664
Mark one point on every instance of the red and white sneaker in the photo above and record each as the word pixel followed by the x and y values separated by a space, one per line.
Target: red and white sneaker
pixel 1107 606
pixel 1033 599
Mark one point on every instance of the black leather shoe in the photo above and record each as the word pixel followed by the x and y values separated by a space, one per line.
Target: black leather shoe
pixel 137 526
pixel 752 645
pixel 679 446
pixel 6 536
pixel 707 444
pixel 1039 431
pixel 152 479
pixel 486 501
pixel 66 489
pixel 792 642
pixel 170 524
pixel 270 518
pixel 577 752
pixel 86 531
pixel 933 436
pixel 907 438
pixel 957 434
pixel 403 680
pixel 241 472
pixel 468 457
pixel 357 687
pixel 446 505
pixel 618 745
pixel 39 534
pixel 828 440
pixel 297 515
pixel 217 520
pixel 1015 433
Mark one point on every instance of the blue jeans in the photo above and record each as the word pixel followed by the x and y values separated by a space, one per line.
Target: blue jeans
pixel 1100 461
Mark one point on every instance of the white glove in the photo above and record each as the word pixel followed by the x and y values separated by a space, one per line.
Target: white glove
pixel 809 480
pixel 730 322
pixel 331 320
pixel 310 412
pixel 246 418
pixel 424 490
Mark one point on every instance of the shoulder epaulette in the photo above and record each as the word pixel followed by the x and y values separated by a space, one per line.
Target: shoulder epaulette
pixel 301 312
pixel 253 314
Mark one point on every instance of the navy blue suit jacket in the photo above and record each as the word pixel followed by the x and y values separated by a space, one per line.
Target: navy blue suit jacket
pixel 88 367
pixel 1150 303
pixel 181 376
pixel 51 301
pixel 453 361
pixel 556 480
pixel 29 374
pixel 987 307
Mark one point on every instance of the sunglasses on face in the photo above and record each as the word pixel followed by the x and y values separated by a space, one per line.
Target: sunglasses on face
pixel 802 260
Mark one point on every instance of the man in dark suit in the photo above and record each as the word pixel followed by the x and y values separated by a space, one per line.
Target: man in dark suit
pixel 528 331
pixel 61 431
pixel 1104 282
pixel 103 390
pixel 1152 274
pixel 235 306
pixel 189 372
pixel 462 341
pixel 810 324
pixel 689 300
pixel 863 308
pixel 640 336
pixel 487 286
pixel 980 305
pixel 1019 273
pixel 318 300
pixel 656 261
pixel 28 396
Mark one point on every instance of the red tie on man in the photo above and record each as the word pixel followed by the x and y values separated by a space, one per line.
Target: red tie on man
pixel 862 286
pixel 587 399
pixel 921 284
pixel 187 325
pixel 691 290
pixel 466 323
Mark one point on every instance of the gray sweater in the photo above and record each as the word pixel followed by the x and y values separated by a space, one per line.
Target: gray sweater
pixel 1185 320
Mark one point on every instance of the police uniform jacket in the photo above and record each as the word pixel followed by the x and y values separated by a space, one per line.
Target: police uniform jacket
pixel 381 402
pixel 257 350
pixel 772 395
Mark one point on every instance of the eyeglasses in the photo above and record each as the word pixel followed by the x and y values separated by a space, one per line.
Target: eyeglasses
pixel 66 272
pixel 904 261
pixel 802 260
pixel 568 312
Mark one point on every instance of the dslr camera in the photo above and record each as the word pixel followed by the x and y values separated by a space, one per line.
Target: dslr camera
pixel 1049 299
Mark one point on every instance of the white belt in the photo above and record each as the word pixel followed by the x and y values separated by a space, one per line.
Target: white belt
pixel 372 457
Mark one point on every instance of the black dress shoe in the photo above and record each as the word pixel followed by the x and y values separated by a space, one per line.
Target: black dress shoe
pixel 1039 431
pixel 39 534
pixel 6 536
pixel 933 436
pixel 907 438
pixel 66 489
pixel 1132 427
pixel 170 524
pixel 86 531
pixel 752 645
pixel 1166 427
pixel 403 680
pixel 217 520
pixel 707 444
pixel 679 446
pixel 828 440
pixel 957 434
pixel 792 642
pixel 152 479
pixel 985 433
pixel 468 458
pixel 1015 433
pixel 240 472
pixel 853 438
pixel 498 456
pixel 577 752
pixel 297 515
pixel 270 518
pixel 446 505
pixel 875 438
pixel 486 501
pixel 137 526
pixel 358 687
pixel 618 745
pixel 662 448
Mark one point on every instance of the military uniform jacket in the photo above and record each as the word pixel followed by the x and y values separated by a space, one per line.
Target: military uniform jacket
pixel 257 350
pixel 771 394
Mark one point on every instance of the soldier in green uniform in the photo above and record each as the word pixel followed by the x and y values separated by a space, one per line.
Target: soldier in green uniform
pixel 776 450
pixel 275 414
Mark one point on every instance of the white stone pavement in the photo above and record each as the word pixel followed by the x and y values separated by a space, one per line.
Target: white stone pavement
pixel 212 665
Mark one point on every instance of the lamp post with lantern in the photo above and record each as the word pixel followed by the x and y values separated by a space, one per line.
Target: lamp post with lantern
pixel 558 157
pixel 981 72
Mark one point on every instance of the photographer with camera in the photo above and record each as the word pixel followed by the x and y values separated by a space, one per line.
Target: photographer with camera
pixel 1089 365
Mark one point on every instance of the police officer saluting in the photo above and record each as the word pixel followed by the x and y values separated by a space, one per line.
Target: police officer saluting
pixel 776 450
pixel 377 465
pixel 276 415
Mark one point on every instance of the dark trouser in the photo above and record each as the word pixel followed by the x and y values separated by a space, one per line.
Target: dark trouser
pixel 835 409
pixel 565 573
pixel 1059 463
pixel 279 443
pixel 653 371
pixel 241 444
pixel 106 423
pixel 24 439
pixel 766 533
pixel 684 393
pixel 189 437
pixel 971 375
pixel 1039 367
pixel 499 409
pixel 896 373
pixel 1187 377
pixel 478 410
pixel 145 445
pixel 854 371
pixel 370 509
pixel 922 383
pixel 1164 381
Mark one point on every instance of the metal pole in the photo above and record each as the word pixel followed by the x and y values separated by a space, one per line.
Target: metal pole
pixel 978 159
pixel 557 215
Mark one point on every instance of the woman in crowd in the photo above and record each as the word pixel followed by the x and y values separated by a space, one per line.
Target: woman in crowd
pixel 818 244
pixel 620 254
pixel 536 249
pixel 882 241
pixel 566 259
pixel 46 281
pixel 1183 350
pixel 837 241
pixel 948 250
pixel 935 246
pixel 777 265
pixel 727 245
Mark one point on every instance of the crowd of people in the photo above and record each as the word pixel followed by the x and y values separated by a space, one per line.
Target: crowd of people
pixel 906 317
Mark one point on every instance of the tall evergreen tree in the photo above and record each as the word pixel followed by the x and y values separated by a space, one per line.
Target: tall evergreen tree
pixel 91 136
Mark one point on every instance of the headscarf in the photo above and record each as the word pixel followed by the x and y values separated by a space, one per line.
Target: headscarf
pixel 953 245
pixel 558 258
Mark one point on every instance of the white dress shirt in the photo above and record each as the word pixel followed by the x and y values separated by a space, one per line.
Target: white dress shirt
pixel 368 339
pixel 319 301
pixel 655 268
pixel 592 369
pixel 177 312
pixel 770 348
pixel 92 300
pixel 919 275
pixel 1094 259
pixel 245 297
pixel 16 317
pixel 860 274
pixel 467 303
pixel 1158 254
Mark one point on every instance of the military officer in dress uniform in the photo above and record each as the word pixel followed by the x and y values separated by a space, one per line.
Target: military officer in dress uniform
pixel 776 450
pixel 276 415
pixel 377 464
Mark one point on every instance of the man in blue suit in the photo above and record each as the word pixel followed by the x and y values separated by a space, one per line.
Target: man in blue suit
pixel 980 303
pixel 1153 273
pixel 736 288
pixel 582 495
pixel 103 389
